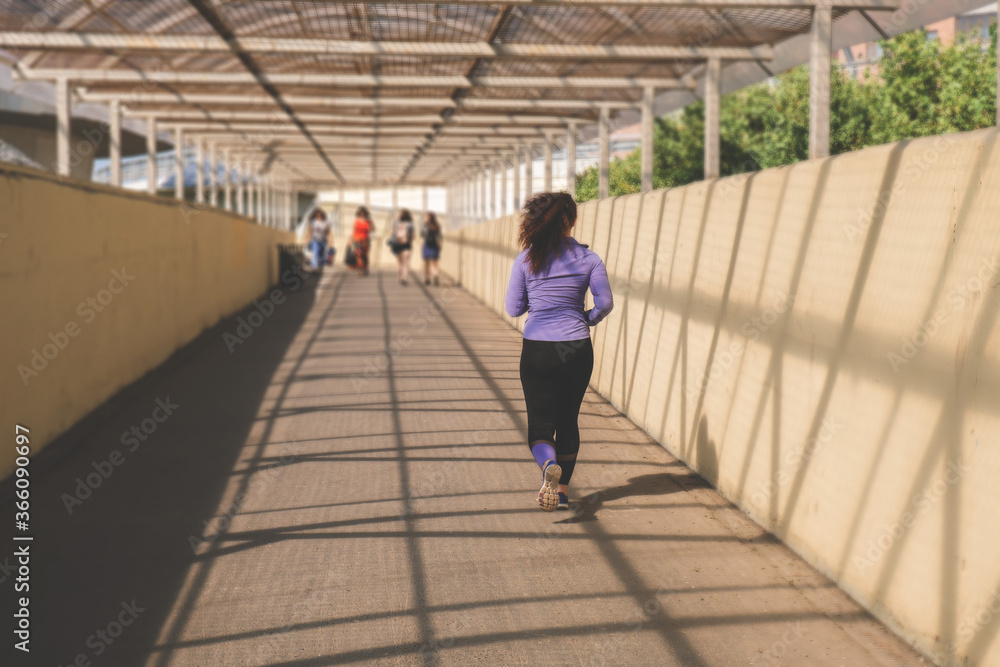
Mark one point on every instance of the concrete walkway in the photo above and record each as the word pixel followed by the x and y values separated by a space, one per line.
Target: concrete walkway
pixel 314 501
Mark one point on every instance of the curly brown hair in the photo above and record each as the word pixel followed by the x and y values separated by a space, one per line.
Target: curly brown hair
pixel 545 220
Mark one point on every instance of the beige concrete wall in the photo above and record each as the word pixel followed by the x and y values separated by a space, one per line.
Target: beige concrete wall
pixel 822 343
pixel 61 243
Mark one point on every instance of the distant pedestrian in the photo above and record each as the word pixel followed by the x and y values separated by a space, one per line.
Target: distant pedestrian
pixel 319 237
pixel 362 238
pixel 431 234
pixel 549 281
pixel 401 241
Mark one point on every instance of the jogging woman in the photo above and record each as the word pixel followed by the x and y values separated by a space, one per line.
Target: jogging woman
pixel 549 281
pixel 362 238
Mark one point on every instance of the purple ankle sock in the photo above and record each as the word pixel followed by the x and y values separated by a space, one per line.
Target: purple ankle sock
pixel 543 451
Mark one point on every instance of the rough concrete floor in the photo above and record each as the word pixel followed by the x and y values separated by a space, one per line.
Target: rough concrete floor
pixel 311 501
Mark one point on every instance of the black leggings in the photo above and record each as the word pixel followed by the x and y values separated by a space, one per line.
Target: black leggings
pixel 554 377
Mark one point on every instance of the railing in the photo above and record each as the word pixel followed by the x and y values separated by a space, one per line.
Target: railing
pixel 135 170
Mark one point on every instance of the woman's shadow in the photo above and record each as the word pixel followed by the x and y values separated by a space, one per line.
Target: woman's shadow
pixel 657 484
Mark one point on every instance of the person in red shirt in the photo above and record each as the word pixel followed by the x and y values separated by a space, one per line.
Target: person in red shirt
pixel 362 239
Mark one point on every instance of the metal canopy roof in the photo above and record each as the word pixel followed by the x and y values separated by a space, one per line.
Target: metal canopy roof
pixel 390 92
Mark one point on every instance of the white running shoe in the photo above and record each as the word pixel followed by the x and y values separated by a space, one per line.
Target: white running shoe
pixel 548 495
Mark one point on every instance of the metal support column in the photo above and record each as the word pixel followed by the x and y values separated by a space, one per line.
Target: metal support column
pixel 179 163
pixel 240 183
pixel 258 191
pixel 151 155
pixel 515 160
pixel 571 160
pixel 199 187
pixel 248 190
pixel 713 95
pixel 503 187
pixel 267 195
pixel 474 199
pixel 115 142
pixel 819 81
pixel 248 186
pixel 213 175
pixel 604 152
pixel 529 176
pixel 483 202
pixel 646 150
pixel 227 181
pixel 548 163
pixel 272 202
pixel 340 209
pixel 466 201
pixel 63 115
pixel 491 172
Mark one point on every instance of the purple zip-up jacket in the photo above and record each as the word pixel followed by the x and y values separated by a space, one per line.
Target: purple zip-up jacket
pixel 553 298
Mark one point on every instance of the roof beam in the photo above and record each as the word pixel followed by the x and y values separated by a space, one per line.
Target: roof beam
pixel 209 14
pixel 200 99
pixel 347 80
pixel 365 157
pixel 75 41
pixel 359 147
pixel 267 130
pixel 287 137
pixel 168 116
pixel 274 141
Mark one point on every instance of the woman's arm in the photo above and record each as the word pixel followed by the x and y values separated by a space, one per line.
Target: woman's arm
pixel 604 301
pixel 517 291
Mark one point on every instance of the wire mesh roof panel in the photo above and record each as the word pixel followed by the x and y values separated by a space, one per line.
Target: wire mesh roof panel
pixel 422 69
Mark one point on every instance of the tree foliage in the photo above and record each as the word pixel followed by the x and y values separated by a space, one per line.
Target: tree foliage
pixel 921 88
